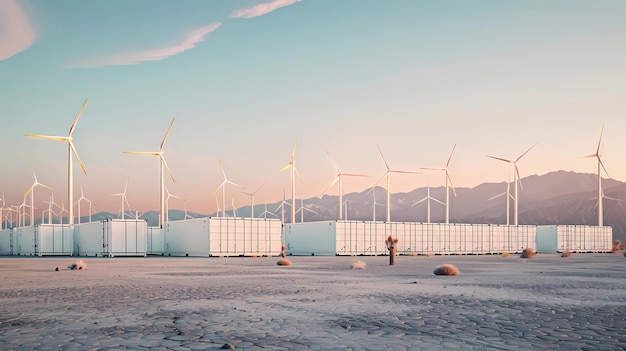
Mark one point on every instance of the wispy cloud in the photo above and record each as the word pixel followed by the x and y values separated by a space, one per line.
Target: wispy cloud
pixel 136 57
pixel 16 32
pixel 261 9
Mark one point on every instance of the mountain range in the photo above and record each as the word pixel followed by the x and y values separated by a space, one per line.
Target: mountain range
pixel 559 197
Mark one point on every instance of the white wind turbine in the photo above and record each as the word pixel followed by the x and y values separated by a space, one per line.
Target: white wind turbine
pixel 252 194
pixel 509 197
pixel 302 209
pixel 374 203
pixel 79 201
pixel 339 178
pixel 186 215
pixel 281 207
pixel 162 164
pixel 167 203
pixel 266 212
pixel 22 213
pixel 388 176
pixel 60 213
pixel 448 184
pixel 223 187
pixel 217 213
pixel 292 165
pixel 428 198
pixel 70 149
pixel 31 191
pixel 124 200
pixel 516 178
pixel 600 167
pixel 48 211
pixel 232 206
pixel 2 217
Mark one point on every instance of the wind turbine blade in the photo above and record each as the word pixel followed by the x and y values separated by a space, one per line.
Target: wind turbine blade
pixel 600 140
pixel 450 181
pixel 235 184
pixel 522 155
pixel 602 164
pixel 496 196
pixel 589 156
pixel 218 189
pixel 77 157
pixel 333 161
pixel 519 179
pixel 166 134
pixel 419 202
pixel 50 137
pixel 381 155
pixel 293 153
pixel 149 153
pixel 354 175
pixel 167 167
pixel 222 168
pixel 331 185
pixel 450 157
pixel 432 169
pixel 441 202
pixel 77 117
pixel 501 159
pixel 286 167
pixel 405 172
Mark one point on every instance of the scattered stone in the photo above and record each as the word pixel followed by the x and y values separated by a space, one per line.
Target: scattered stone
pixel 56 269
pixel 227 347
pixel 529 252
pixel 566 253
pixel 358 265
pixel 78 265
pixel 446 269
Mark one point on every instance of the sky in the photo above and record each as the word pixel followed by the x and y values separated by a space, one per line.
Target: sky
pixel 244 78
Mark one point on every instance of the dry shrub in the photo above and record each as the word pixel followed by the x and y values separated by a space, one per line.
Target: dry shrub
pixel 505 254
pixel 529 252
pixel 283 262
pixel 446 269
pixel 412 253
pixel 358 265
pixel 566 253
pixel 430 254
pixel 78 265
pixel 616 246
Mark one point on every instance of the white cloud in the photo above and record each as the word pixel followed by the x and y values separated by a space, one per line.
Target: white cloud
pixel 16 32
pixel 136 57
pixel 261 9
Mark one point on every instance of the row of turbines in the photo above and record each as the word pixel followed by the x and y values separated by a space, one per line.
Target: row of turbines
pixel 164 194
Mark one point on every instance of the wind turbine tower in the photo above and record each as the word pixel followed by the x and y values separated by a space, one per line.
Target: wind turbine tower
pixel 448 185
pixel 339 178
pixel 162 164
pixel 292 165
pixel 388 176
pixel 31 191
pixel 600 167
pixel 516 178
pixel 70 149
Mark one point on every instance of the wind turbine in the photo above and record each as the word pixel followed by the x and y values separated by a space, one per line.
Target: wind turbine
pixel 339 178
pixel 516 177
pixel 162 163
pixel 186 215
pixel 302 209
pixel 49 211
pixel 448 185
pixel 292 165
pixel 217 213
pixel 388 176
pixel 600 193
pixel 509 197
pixel 31 191
pixel 374 203
pixel 60 213
pixel 252 199
pixel 167 204
pixel 78 202
pixel 266 212
pixel 70 149
pixel 232 206
pixel 22 213
pixel 123 199
pixel 427 199
pixel 223 187
pixel 282 207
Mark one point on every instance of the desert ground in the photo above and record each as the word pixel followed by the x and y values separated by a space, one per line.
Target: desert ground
pixel 318 303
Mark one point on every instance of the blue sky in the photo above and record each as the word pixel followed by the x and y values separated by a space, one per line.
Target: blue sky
pixel 243 79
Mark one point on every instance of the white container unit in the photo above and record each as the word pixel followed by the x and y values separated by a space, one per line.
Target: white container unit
pixel 6 242
pixel 54 239
pixel 155 241
pixel 223 236
pixel 25 241
pixel 574 238
pixel 111 237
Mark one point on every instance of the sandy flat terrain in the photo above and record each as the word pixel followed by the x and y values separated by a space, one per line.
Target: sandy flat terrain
pixel 318 303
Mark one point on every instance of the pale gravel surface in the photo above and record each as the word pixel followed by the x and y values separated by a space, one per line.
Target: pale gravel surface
pixel 318 303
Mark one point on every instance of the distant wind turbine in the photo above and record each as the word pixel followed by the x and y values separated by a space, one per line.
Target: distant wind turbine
pixel 302 209
pixel 70 149
pixel 266 212
pixel 31 191
pixel 78 202
pixel 282 207
pixel 388 176
pixel 598 156
pixel 223 187
pixel 509 197
pixel 124 200
pixel 167 203
pixel 448 185
pixel 252 194
pixel 292 165
pixel 186 215
pixel 427 199
pixel 162 164
pixel 516 177
pixel 339 178
pixel 374 203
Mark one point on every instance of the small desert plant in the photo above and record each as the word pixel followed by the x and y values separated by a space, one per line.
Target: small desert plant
pixel 283 253
pixel 446 269
pixel 505 254
pixel 391 246
pixel 616 246
pixel 566 253
pixel 430 254
pixel 358 265
pixel 78 265
pixel 528 252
